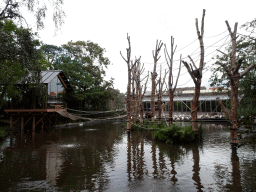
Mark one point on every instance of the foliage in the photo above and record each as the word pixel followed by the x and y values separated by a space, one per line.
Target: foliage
pixel 248 91
pixel 20 61
pixel 117 99
pixel 83 63
pixel 12 9
pixel 175 134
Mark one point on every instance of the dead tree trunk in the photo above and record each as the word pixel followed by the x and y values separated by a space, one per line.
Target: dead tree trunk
pixel 169 60
pixel 160 94
pixel 139 70
pixel 130 67
pixel 153 78
pixel 133 101
pixel 196 74
pixel 234 76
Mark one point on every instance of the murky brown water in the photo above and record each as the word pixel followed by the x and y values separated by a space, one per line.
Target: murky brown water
pixel 103 157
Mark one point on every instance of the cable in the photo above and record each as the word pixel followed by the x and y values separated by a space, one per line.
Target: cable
pixel 216 35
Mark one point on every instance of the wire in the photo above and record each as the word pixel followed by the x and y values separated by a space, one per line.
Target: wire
pixel 217 35
pixel 186 45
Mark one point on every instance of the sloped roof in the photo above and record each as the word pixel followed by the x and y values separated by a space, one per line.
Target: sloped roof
pixel 48 76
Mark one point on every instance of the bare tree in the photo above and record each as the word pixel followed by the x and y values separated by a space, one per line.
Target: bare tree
pixel 234 76
pixel 130 66
pixel 153 78
pixel 160 92
pixel 169 60
pixel 196 73
pixel 140 89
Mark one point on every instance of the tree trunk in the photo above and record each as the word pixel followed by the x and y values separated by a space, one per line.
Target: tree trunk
pixel 194 107
pixel 159 101
pixel 128 117
pixel 152 105
pixel 171 107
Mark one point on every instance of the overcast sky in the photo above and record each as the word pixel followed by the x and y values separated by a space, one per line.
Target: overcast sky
pixel 108 22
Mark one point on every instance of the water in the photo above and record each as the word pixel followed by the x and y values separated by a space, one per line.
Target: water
pixel 104 157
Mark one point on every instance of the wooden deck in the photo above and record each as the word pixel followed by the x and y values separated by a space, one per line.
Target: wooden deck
pixel 22 117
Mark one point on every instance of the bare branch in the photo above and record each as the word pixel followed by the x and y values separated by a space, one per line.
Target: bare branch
pixel 189 71
pixel 166 55
pixel 192 61
pixel 145 87
pixel 178 74
pixel 202 24
pixel 223 53
pixel 223 107
pixel 225 68
pixel 246 70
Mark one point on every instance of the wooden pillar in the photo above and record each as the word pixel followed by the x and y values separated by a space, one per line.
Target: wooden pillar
pixel 21 135
pixel 22 123
pixel 34 123
pixel 10 121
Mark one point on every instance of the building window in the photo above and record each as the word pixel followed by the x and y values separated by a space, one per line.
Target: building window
pixel 56 91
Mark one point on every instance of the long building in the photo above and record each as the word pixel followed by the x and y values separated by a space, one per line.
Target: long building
pixel 183 97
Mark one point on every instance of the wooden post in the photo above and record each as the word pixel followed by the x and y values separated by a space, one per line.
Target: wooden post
pixel 22 123
pixel 10 121
pixel 34 123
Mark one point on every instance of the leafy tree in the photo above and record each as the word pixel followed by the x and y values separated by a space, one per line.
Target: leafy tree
pixel 83 63
pixel 11 9
pixel 19 57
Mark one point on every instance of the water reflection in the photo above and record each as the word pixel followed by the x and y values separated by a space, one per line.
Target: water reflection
pixel 110 159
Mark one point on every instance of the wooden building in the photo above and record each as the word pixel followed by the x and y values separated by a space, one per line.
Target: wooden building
pixel 57 85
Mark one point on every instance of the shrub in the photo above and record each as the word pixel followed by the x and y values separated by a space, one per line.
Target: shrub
pixel 175 134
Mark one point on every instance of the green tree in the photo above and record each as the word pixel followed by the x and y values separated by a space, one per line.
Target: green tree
pixel 84 65
pixel 20 60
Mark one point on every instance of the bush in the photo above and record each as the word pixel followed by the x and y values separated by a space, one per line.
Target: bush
pixel 175 134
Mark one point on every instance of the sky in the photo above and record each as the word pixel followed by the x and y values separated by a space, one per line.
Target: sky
pixel 107 23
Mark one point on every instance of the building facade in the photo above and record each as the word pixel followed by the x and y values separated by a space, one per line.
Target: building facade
pixel 183 97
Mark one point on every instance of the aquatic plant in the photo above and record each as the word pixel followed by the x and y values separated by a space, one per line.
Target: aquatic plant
pixel 177 134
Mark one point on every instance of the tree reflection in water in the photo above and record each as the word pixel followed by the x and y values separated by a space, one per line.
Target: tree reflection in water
pixel 104 157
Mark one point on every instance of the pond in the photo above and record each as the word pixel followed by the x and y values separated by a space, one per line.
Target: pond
pixel 104 157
